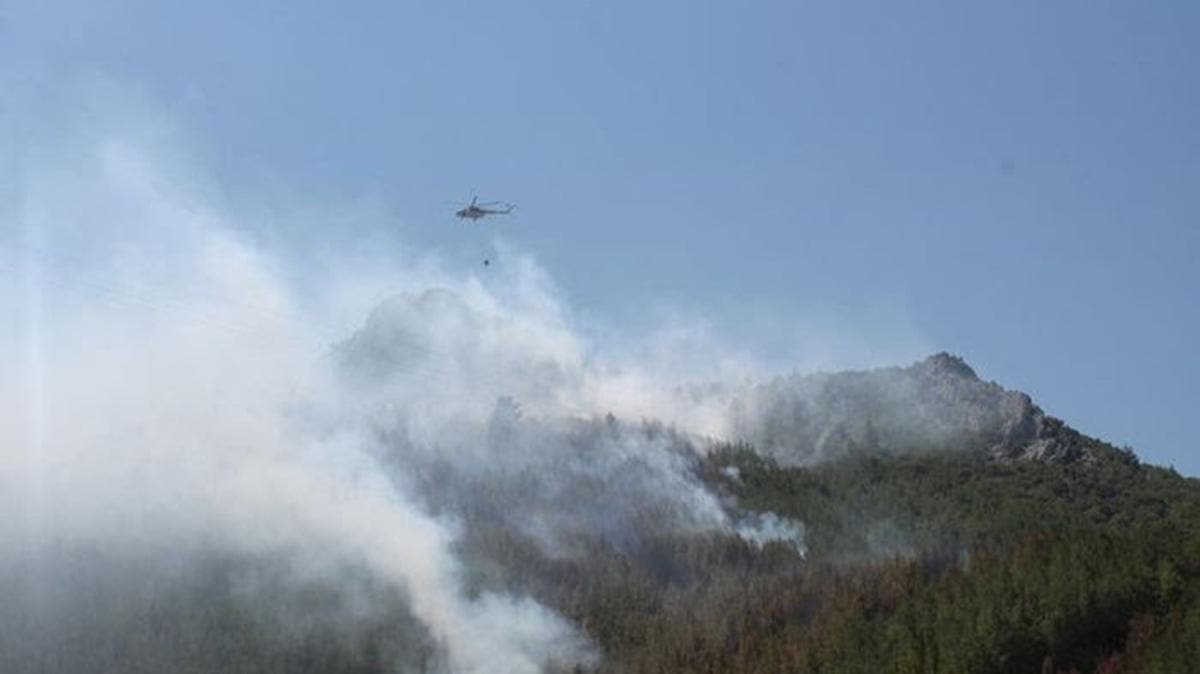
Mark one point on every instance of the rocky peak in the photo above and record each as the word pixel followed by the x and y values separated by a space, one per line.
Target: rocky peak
pixel 944 364
pixel 936 404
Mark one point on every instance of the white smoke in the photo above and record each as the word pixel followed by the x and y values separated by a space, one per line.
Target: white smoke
pixel 163 370
pixel 763 528
pixel 168 387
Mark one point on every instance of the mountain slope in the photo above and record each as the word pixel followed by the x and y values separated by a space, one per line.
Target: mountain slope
pixel 905 520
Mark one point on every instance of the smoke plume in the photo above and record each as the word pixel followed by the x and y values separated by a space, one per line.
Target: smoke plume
pixel 186 424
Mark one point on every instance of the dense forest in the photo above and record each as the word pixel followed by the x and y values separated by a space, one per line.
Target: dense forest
pixel 945 562
pixel 939 563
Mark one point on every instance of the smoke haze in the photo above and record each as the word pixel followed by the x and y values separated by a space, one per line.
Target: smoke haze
pixel 179 406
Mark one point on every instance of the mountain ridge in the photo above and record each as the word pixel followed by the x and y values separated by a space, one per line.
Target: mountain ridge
pixel 937 403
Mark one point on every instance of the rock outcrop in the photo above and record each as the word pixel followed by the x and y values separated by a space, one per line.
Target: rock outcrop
pixel 936 404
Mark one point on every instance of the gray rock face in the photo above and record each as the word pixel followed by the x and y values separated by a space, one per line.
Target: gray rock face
pixel 936 404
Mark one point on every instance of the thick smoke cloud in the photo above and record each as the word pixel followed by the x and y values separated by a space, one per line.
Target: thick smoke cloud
pixel 175 403
pixel 158 406
pixel 491 414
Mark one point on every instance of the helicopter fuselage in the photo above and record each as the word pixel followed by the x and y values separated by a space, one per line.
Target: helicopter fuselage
pixel 475 212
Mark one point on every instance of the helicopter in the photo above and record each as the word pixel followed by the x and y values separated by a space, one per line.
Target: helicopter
pixel 477 210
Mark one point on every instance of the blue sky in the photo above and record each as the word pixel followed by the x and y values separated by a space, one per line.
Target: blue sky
pixel 1015 182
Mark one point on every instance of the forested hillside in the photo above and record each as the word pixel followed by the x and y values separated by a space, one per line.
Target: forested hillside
pixel 664 552
pixel 937 563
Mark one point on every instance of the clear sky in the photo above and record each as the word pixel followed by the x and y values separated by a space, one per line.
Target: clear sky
pixel 1016 182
